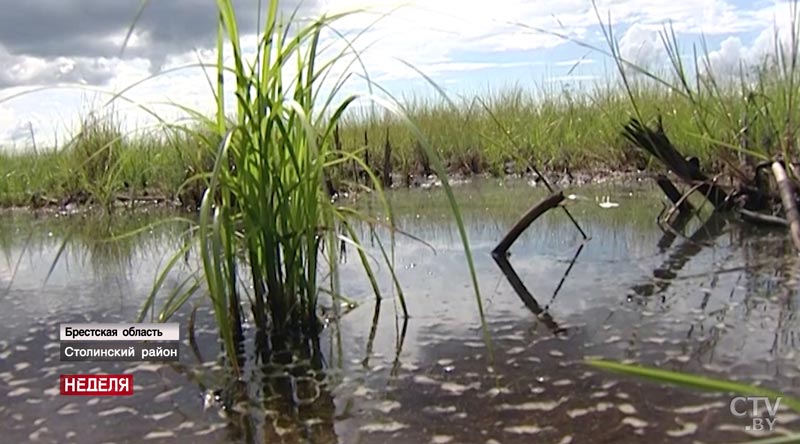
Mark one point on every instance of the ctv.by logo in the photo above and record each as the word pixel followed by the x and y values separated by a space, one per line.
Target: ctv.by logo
pixel 741 405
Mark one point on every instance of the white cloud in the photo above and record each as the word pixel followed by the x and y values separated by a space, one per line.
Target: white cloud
pixel 641 45
pixel 773 41
pixel 442 38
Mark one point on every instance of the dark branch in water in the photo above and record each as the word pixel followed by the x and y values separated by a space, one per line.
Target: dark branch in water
pixel 762 219
pixel 525 221
pixel 526 296
pixel 656 142
pixel 674 195
pixel 566 273
pixel 681 255
pixel 500 255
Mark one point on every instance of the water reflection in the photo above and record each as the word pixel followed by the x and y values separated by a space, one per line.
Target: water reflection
pixel 725 305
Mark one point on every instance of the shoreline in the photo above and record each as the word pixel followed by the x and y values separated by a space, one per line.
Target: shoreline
pixel 83 203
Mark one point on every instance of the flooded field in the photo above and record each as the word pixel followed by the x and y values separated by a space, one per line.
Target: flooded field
pixel 719 299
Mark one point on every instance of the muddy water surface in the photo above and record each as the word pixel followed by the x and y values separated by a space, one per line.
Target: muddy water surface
pixel 717 299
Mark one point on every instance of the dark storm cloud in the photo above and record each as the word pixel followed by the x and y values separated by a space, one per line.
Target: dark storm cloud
pixel 81 30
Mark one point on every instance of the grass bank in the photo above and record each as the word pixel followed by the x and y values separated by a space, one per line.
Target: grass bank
pixel 495 133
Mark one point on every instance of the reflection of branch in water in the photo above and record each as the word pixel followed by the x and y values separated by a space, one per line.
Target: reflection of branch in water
pixel 372 332
pixel 526 296
pixel 566 273
pixel 401 338
pixel 192 341
pixel 672 230
pixel 682 254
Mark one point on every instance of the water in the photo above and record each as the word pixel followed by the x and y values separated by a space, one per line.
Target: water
pixel 721 304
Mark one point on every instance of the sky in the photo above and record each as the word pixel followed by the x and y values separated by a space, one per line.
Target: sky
pixel 61 60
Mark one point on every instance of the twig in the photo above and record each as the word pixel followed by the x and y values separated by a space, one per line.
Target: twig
pixel 531 215
pixel 789 205
pixel 681 201
pixel 673 194
pixel 762 219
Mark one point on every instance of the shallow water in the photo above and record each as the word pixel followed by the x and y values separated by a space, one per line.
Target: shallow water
pixel 721 304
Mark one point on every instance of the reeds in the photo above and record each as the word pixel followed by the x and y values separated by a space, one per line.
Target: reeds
pixel 709 115
pixel 268 224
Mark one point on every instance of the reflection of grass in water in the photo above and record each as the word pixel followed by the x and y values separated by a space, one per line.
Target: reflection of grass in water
pixel 487 202
pixel 94 237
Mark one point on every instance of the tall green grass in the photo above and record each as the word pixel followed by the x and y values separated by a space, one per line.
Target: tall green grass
pixel 102 162
pixel 720 118
pixel 268 224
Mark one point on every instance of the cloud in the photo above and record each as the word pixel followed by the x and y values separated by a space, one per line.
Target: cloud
pixel 79 41
pixel 641 45
pixel 773 42
pixel 44 42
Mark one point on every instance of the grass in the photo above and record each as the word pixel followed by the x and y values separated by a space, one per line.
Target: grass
pixel 496 132
pixel 102 162
pixel 268 227
pixel 750 119
pixel 706 384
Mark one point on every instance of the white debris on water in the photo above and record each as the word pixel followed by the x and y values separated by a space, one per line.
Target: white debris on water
pixel 16 382
pixel 37 435
pixel 603 406
pixel 144 367
pixel 159 416
pixel 426 380
pixel 362 391
pixel 691 409
pixel 118 410
pixel 515 350
pixel 163 396
pixel 495 391
pixel 532 406
pixel 634 422
pixel 524 429
pixel 388 427
pixel 688 428
pixel 69 409
pixel 211 429
pixel 388 406
pixel 161 434
pixel 18 392
pixel 440 409
pixel 574 413
pixel 455 389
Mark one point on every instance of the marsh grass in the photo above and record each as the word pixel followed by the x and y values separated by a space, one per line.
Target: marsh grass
pixel 268 224
pixel 746 119
pixel 717 117
pixel 101 162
